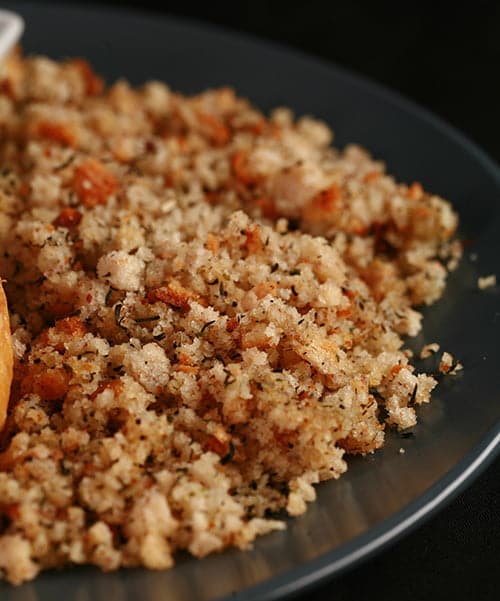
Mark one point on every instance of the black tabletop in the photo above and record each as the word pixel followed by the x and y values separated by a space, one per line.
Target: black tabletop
pixel 448 61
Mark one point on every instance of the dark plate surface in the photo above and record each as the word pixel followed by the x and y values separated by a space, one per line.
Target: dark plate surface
pixel 381 496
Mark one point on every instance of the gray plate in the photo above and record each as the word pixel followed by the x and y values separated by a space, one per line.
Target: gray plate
pixel 381 496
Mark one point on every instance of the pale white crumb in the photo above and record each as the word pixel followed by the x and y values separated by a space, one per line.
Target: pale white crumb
pixel 449 365
pixel 429 349
pixel 487 282
pixel 458 367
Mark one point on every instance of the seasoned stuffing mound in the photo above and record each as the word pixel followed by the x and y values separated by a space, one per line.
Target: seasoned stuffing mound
pixel 207 311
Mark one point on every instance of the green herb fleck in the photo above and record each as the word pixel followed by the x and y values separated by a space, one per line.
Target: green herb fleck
pixel 118 316
pixel 146 319
pixel 205 326
pixel 413 395
pixel 227 458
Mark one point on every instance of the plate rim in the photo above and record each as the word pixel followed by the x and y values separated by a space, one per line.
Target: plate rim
pixel 381 536
pixel 399 524
pixel 463 473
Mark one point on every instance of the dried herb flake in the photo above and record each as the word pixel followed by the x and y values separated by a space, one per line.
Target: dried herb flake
pixel 205 326
pixel 227 458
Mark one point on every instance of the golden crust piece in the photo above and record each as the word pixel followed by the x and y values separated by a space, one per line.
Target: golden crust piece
pixel 6 358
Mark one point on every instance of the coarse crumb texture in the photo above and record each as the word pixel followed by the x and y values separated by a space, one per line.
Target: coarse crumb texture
pixel 207 308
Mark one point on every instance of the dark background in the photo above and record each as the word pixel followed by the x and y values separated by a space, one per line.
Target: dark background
pixel 447 58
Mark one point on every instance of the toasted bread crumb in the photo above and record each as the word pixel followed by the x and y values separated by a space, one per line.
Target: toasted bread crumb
pixel 485 282
pixel 208 309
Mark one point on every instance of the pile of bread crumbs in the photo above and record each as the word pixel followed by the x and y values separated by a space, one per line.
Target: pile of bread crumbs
pixel 207 307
